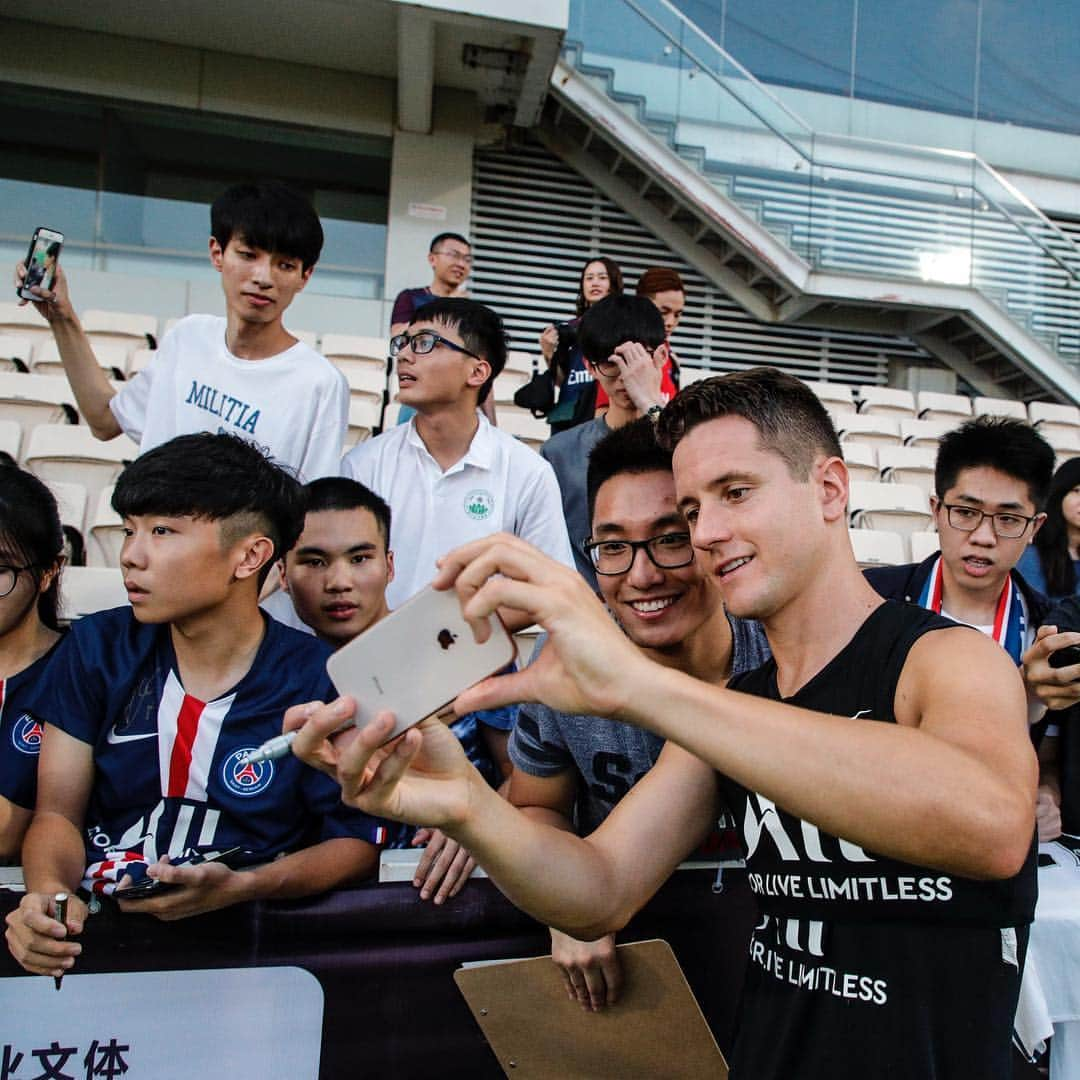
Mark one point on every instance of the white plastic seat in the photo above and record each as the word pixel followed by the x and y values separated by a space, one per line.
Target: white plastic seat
pixel 924 432
pixel 366 384
pixel 885 401
pixel 15 352
pixel 923 545
pixel 1055 420
pixel 86 589
pixel 1064 440
pixel 24 321
pixel 507 383
pixel 349 352
pixel 32 400
pixel 871 430
pixel 900 508
pixel 836 397
pixel 524 426
pixel 11 437
pixel 516 360
pixel 106 532
pixel 908 465
pixel 71 453
pixel 390 415
pixel 111 357
pixel 70 503
pixel 689 375
pixel 119 328
pixel 931 405
pixel 989 406
pixel 137 360
pixel 309 337
pixel 363 419
pixel 877 547
pixel 862 461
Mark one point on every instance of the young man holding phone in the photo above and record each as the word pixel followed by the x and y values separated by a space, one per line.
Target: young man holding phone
pixel 894 913
pixel 150 710
pixel 244 373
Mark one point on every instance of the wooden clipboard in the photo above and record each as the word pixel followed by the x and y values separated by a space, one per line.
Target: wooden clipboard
pixel 538 1033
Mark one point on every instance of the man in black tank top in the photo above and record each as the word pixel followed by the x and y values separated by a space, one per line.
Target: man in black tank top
pixel 881 772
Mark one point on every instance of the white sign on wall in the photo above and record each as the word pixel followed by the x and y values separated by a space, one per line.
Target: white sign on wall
pixel 163 1025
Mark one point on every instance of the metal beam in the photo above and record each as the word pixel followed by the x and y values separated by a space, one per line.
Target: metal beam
pixel 415 69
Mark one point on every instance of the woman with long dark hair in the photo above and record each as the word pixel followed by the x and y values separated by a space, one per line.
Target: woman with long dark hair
pixel 31 556
pixel 1052 563
pixel 600 277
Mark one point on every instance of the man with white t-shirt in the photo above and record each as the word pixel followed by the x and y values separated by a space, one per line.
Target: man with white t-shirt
pixel 244 374
pixel 448 475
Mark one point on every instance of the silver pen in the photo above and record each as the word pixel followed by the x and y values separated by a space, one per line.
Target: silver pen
pixel 60 900
pixel 271 750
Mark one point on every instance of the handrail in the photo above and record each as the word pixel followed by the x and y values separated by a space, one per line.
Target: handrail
pixel 855 141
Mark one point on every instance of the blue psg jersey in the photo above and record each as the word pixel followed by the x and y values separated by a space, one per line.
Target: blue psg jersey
pixel 168 773
pixel 20 733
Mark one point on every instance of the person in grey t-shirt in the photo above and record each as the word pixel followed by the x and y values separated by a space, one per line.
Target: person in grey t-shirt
pixel 570 771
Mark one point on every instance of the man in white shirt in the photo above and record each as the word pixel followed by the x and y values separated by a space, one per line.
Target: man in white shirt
pixel 448 475
pixel 244 374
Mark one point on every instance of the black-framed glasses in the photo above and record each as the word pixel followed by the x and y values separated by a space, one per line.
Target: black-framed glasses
pixel 457 256
pixel 423 342
pixel 1006 525
pixel 609 367
pixel 9 575
pixel 668 551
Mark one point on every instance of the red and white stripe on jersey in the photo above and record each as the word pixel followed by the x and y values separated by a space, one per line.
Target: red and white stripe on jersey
pixel 3 695
pixel 188 731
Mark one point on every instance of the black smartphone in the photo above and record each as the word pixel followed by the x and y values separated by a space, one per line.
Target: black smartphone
pixel 41 261
pixel 148 887
pixel 1065 657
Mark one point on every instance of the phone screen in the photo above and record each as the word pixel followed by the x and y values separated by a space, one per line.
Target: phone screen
pixel 41 260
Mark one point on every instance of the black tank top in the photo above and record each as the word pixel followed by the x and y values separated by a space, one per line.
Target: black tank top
pixel 863 966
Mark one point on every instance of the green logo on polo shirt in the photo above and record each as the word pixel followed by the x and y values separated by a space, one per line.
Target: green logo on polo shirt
pixel 479 504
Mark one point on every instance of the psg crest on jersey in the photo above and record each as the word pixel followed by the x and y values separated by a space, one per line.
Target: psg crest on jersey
pixel 246 779
pixel 26 735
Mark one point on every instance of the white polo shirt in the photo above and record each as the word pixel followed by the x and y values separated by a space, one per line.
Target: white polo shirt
pixel 500 485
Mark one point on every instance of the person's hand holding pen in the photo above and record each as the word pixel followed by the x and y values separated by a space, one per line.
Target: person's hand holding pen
pixel 40 943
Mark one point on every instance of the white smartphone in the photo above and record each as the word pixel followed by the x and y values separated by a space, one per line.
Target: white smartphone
pixel 417 660
pixel 45 247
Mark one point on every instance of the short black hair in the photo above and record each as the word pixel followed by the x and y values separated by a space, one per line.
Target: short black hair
pixel 790 419
pixel 437 240
pixel 1010 446
pixel 632 449
pixel 219 478
pixel 342 493
pixel 30 532
pixel 479 327
pixel 615 320
pixel 269 215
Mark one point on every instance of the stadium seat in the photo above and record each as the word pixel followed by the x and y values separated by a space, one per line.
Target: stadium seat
pixel 390 415
pixel 111 357
pixel 137 360
pixel 119 328
pixel 523 361
pixel 70 502
pixel 923 545
pixel 898 508
pixel 861 461
pixel 924 432
pixel 349 352
pixel 989 406
pixel 363 419
pixel 689 375
pixel 366 384
pixel 71 453
pixel 1064 440
pixel 23 321
pixel 507 383
pixel 908 465
pixel 1050 419
pixel 15 352
pixel 36 399
pixel 86 589
pixel 869 430
pixel 309 337
pixel 885 401
pixel 877 547
pixel 955 408
pixel 524 426
pixel 11 437
pixel 834 396
pixel 106 529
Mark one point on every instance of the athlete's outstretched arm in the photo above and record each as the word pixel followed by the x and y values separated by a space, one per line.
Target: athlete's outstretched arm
pixel 952 785
pixel 586 887
pixel 53 857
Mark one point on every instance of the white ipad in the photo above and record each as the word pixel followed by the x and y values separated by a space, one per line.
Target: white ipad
pixel 416 661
